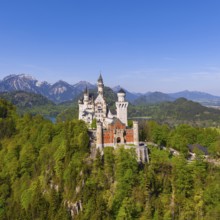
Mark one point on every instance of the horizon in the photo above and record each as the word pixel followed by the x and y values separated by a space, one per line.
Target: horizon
pixel 95 84
pixel 142 46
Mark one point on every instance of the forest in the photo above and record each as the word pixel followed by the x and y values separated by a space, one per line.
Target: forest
pixel 46 172
pixel 180 111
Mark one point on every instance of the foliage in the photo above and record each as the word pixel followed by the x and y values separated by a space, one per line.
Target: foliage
pixel 46 170
pixel 181 136
pixel 93 125
pixel 25 99
pixel 181 111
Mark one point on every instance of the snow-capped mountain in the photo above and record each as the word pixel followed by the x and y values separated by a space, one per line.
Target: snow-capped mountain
pixel 58 92
pixel 19 82
pixel 62 91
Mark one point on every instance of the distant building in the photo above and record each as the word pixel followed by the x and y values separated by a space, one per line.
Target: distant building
pixel 111 129
pixel 193 148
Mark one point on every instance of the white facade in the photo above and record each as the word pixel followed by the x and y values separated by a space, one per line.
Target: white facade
pixel 86 108
pixel 122 107
pixel 90 109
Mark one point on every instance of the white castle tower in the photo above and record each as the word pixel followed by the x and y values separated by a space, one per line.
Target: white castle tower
pixel 99 136
pixel 86 107
pixel 86 97
pixel 122 107
pixel 136 135
pixel 100 103
pixel 100 85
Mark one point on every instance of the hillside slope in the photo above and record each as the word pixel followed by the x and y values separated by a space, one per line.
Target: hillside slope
pixel 25 99
pixel 152 97
pixel 179 111
pixel 47 173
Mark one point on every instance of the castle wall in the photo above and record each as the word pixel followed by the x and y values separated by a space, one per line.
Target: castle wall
pixel 136 133
pixel 99 136
pixel 129 136
pixel 108 137
pixel 117 125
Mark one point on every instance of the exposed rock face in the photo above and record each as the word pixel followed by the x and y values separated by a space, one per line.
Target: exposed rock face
pixel 19 82
pixel 74 208
pixel 58 92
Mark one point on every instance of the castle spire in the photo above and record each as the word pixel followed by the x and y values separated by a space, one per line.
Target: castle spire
pixel 100 85
pixel 86 90
pixel 100 80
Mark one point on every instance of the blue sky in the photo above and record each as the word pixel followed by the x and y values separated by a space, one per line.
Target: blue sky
pixel 143 45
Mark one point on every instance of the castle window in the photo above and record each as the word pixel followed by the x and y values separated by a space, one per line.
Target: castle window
pixel 118 140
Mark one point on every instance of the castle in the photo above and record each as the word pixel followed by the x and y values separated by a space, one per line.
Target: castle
pixel 111 130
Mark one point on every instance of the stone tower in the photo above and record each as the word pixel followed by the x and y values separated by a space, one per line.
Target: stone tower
pixel 99 136
pixel 136 135
pixel 122 107
pixel 100 85
pixel 86 96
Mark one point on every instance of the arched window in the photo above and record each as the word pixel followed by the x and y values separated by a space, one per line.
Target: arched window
pixel 118 140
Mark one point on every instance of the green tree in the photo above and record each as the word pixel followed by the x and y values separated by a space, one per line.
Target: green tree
pixel 93 125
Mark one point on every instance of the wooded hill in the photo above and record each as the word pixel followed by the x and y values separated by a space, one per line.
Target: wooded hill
pixel 173 113
pixel 25 99
pixel 177 112
pixel 46 172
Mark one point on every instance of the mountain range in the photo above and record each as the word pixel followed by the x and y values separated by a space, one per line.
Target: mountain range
pixel 62 91
pixel 58 92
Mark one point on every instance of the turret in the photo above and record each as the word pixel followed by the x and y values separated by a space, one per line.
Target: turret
pixel 100 85
pixel 136 133
pixel 121 95
pixel 86 96
pixel 99 136
pixel 80 101
pixel 122 107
